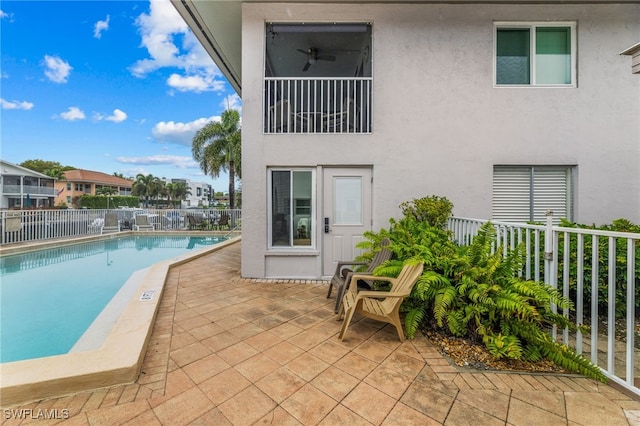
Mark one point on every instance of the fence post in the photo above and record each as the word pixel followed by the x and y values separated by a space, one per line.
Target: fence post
pixel 549 263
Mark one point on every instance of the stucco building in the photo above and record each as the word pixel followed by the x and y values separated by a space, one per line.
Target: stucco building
pixel 81 182
pixel 350 108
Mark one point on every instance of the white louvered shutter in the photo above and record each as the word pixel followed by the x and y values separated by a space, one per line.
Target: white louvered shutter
pixel 511 193
pixel 551 191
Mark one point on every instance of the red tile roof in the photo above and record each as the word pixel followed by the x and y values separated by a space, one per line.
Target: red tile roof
pixel 80 175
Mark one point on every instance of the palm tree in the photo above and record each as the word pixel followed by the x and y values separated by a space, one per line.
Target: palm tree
pixel 217 147
pixel 106 190
pixel 178 191
pixel 160 191
pixel 56 173
pixel 145 187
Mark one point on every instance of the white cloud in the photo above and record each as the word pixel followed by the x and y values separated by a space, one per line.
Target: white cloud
pixel 232 102
pixel 170 43
pixel 178 161
pixel 57 70
pixel 73 114
pixel 195 83
pixel 4 15
pixel 100 27
pixel 117 116
pixel 16 104
pixel 180 133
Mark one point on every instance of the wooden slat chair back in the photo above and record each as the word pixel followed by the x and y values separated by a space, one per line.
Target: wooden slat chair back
pixel 381 306
pixel 342 276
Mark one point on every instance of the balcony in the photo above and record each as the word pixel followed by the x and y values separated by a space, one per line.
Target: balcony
pixel 28 189
pixel 317 105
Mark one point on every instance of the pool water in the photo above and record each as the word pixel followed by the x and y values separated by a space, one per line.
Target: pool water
pixel 48 298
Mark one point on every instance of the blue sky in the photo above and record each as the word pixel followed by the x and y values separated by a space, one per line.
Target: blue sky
pixel 110 86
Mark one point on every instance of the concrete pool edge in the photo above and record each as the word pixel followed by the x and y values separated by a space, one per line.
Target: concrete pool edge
pixel 118 361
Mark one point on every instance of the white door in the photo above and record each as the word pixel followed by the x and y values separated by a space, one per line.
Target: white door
pixel 346 214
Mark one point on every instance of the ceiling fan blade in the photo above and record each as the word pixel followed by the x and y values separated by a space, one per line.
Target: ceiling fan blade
pixel 306 66
pixel 306 52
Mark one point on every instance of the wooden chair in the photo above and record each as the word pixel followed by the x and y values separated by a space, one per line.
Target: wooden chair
pixel 380 305
pixel 342 277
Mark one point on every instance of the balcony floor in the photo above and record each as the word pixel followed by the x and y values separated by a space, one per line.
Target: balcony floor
pixel 227 350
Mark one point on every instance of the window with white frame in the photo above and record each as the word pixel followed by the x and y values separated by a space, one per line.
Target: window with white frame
pixel 291 208
pixel 525 193
pixel 535 54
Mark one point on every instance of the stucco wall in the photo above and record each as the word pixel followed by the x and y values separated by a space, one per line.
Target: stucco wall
pixel 439 123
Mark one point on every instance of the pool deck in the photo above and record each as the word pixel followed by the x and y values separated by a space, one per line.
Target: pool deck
pixel 231 351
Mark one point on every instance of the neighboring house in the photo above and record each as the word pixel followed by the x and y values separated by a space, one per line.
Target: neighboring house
pixel 24 188
pixel 351 108
pixel 86 182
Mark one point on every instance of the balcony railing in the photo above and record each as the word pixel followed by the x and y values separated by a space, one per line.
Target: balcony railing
pixel 312 106
pixel 599 270
pixel 29 189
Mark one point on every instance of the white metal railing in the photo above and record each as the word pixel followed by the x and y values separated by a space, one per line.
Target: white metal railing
pixel 317 105
pixel 589 266
pixel 17 226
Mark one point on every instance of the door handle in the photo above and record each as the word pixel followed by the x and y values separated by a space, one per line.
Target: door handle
pixel 326 225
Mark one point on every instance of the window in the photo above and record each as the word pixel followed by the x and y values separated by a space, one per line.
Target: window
pixel 525 193
pixel 535 54
pixel 68 186
pixel 291 206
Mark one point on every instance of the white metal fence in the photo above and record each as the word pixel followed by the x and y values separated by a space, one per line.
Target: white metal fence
pixel 18 226
pixel 599 270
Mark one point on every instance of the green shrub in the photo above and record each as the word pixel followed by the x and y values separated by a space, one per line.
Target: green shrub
pixel 433 209
pixel 618 225
pixel 476 292
pixel 101 201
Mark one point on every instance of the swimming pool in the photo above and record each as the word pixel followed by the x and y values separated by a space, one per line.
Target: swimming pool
pixel 49 298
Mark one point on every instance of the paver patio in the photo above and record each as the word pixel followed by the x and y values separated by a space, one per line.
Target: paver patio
pixel 233 351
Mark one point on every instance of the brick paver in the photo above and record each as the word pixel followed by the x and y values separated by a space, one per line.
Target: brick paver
pixel 233 351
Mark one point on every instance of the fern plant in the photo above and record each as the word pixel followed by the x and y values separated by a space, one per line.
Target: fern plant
pixel 476 292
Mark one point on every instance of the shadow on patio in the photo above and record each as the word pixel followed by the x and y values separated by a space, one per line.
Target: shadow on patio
pixel 227 350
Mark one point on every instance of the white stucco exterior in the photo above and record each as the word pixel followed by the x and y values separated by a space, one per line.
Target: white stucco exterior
pixel 440 125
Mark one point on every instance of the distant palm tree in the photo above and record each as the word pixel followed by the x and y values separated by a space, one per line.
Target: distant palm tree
pixel 217 147
pixel 160 191
pixel 55 172
pixel 178 191
pixel 106 190
pixel 121 176
pixel 146 187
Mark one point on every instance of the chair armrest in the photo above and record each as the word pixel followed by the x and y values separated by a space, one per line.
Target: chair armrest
pixel 353 286
pixel 347 263
pixel 347 279
pixel 380 295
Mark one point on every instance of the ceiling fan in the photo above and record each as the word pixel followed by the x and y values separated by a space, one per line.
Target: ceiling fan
pixel 313 56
